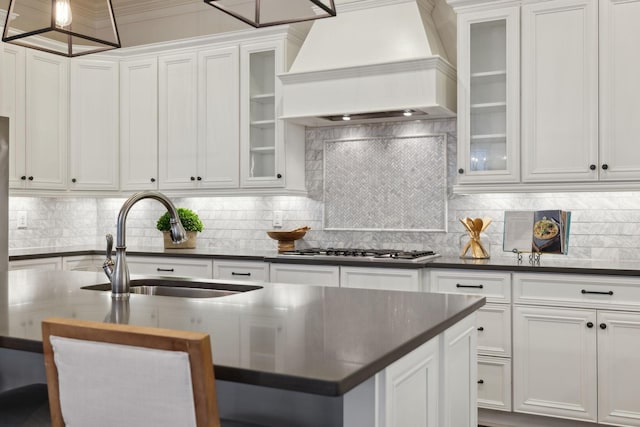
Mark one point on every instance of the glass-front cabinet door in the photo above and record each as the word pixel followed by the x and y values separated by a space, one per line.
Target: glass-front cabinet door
pixel 488 96
pixel 261 142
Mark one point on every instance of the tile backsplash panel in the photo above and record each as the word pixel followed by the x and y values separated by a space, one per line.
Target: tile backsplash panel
pixel 604 225
pixel 386 183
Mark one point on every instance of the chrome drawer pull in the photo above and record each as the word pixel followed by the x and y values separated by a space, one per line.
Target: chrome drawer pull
pixel 233 273
pixel 458 285
pixel 596 292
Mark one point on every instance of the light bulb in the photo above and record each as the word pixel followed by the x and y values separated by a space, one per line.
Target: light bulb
pixel 63 13
pixel 407 113
pixel 346 117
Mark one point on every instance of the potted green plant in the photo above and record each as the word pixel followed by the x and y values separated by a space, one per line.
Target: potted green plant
pixel 191 223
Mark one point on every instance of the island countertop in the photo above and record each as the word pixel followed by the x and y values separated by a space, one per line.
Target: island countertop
pixel 312 339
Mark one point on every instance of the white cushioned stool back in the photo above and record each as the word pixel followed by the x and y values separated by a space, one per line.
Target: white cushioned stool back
pixel 108 385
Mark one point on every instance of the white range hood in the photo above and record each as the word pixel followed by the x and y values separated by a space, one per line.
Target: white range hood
pixel 376 56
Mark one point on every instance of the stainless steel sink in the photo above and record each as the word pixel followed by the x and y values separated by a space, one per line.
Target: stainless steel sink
pixel 176 287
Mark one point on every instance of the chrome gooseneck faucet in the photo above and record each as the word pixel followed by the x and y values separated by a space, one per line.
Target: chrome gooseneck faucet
pixel 118 272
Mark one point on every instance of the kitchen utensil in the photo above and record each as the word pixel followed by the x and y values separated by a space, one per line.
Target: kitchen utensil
pixel 474 226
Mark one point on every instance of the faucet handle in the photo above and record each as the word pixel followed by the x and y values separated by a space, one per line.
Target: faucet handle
pixel 109 245
pixel 108 263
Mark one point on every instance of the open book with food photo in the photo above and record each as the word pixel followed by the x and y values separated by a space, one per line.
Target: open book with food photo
pixel 544 231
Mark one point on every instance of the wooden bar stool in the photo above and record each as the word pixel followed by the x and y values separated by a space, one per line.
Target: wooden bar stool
pixel 105 375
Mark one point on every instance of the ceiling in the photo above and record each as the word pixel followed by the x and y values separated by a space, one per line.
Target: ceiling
pixel 132 7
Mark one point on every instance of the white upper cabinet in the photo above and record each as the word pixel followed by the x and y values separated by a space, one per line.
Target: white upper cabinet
pixel 198 117
pixel 94 125
pixel 271 151
pixel 560 90
pixel 47 121
pixel 619 89
pixel 35 97
pixel 139 124
pixel 12 101
pixel 219 117
pixel 260 132
pixel 488 96
pixel 578 104
pixel 178 120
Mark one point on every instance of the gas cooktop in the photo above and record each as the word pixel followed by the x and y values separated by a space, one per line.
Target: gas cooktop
pixel 362 254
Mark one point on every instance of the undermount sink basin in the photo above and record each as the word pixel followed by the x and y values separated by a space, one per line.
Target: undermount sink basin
pixel 183 288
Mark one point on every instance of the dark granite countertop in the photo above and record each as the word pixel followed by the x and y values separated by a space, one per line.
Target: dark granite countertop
pixel 32 253
pixel 547 264
pixel 313 339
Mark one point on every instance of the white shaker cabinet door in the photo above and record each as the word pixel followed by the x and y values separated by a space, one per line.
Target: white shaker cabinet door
pixel 94 130
pixel 560 91
pixel 619 89
pixel 618 368
pixel 178 121
pixel 12 102
pixel 139 124
pixel 554 362
pixel 47 120
pixel 410 395
pixel 219 118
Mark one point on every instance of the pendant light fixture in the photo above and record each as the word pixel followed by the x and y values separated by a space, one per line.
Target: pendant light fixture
pixel 63 27
pixel 265 13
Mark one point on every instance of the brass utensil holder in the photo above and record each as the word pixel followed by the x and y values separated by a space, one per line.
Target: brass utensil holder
pixel 475 227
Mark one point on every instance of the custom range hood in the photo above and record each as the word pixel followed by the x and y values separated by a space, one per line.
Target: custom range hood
pixel 377 59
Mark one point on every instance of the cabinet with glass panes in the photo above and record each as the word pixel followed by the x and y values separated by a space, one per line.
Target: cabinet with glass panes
pixel 488 96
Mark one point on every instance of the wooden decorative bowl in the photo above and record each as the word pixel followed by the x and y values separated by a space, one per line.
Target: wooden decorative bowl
pixel 286 239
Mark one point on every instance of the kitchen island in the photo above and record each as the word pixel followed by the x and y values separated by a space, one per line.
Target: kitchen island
pixel 284 354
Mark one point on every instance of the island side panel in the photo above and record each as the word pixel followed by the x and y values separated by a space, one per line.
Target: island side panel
pixel 459 374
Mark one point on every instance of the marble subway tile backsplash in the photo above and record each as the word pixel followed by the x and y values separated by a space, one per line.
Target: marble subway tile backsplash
pixel 604 225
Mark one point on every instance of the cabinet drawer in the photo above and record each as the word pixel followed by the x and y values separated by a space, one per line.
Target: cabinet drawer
pixel 494 383
pixel 573 290
pixel 322 275
pixel 394 279
pixel 494 330
pixel 495 286
pixel 241 270
pixel 167 266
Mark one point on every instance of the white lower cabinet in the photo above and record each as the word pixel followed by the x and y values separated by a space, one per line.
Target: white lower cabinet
pixel 493 325
pixel 494 382
pixel 575 347
pixel 394 279
pixel 171 266
pixel 618 368
pixel 554 362
pixel 494 330
pixel 459 375
pixel 322 275
pixel 410 388
pixel 434 385
pixel 241 270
